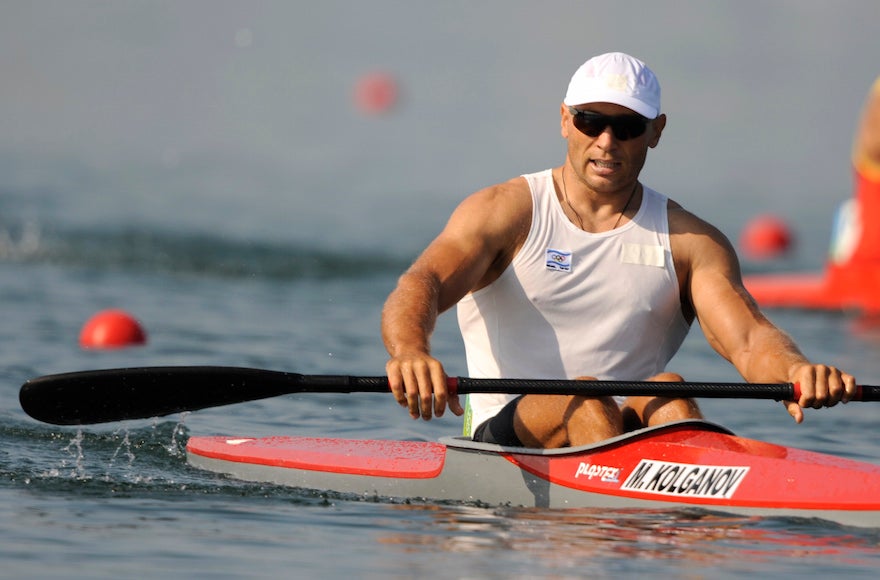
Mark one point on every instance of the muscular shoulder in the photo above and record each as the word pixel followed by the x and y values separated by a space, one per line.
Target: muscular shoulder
pixel 688 231
pixel 501 212
pixel 488 228
pixel 705 260
pixel 510 197
pixel 698 246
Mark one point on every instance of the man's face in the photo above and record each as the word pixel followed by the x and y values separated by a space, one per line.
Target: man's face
pixel 605 162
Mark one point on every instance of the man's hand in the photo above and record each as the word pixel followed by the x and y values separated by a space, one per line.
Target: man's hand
pixel 418 382
pixel 820 386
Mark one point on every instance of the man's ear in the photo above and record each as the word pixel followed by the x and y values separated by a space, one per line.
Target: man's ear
pixel 657 125
pixel 563 122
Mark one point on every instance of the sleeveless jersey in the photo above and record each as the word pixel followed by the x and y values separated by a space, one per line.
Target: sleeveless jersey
pixel 573 303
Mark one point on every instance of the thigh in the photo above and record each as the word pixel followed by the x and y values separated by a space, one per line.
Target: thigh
pixel 641 412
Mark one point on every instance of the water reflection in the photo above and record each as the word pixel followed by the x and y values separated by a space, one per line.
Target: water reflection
pixel 560 538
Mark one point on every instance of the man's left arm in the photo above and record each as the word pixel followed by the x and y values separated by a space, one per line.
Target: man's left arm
pixel 738 330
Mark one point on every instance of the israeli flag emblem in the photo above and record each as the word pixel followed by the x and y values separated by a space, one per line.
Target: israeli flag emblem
pixel 558 260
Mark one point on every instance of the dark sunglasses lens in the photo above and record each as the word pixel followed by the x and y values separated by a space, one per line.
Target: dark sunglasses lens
pixel 628 128
pixel 590 125
pixel 624 128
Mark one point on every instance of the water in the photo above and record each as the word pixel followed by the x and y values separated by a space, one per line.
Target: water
pixel 201 165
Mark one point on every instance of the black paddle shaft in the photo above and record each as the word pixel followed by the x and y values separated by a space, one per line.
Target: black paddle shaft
pixel 100 396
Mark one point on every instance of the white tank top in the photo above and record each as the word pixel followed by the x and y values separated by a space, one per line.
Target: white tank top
pixel 574 303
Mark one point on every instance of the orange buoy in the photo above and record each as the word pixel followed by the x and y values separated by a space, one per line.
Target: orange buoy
pixel 112 329
pixel 375 93
pixel 764 237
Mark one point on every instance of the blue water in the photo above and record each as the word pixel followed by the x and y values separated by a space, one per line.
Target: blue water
pixel 202 166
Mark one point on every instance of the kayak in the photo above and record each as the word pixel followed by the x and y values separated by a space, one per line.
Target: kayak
pixel 681 465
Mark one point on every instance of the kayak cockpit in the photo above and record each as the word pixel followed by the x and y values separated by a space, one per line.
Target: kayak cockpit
pixel 462 443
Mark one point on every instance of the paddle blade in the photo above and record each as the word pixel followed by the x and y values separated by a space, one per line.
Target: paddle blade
pixel 100 396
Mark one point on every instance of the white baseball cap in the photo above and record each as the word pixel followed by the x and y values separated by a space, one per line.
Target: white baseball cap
pixel 616 78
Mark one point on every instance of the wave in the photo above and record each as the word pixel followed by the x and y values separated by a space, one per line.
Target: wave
pixel 141 462
pixel 157 251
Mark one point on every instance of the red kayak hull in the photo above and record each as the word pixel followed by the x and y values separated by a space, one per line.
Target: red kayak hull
pixel 687 464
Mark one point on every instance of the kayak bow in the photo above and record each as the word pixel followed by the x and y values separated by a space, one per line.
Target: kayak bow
pixel 686 464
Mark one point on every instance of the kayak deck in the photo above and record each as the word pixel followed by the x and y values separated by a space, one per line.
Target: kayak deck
pixel 683 464
pixel 406 459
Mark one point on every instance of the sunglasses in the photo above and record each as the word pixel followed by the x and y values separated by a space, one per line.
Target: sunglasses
pixel 624 127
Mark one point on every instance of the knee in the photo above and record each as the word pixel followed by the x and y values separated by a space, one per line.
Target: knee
pixel 667 378
pixel 592 419
pixel 661 411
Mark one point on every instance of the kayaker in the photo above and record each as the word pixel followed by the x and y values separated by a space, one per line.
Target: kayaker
pixel 581 271
pixel 855 247
pixel 866 163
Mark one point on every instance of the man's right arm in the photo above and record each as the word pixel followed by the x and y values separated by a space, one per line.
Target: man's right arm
pixel 408 320
pixel 469 253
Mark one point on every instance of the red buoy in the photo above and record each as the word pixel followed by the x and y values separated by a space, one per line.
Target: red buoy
pixel 112 329
pixel 375 93
pixel 764 237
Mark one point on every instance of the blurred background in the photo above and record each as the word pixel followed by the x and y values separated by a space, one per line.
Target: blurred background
pixel 249 118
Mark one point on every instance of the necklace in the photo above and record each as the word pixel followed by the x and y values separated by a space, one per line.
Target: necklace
pixel 578 216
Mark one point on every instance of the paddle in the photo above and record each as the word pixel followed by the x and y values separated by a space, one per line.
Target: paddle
pixel 99 396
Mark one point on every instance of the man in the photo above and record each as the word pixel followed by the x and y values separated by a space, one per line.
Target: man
pixel 581 271
pixel 863 249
